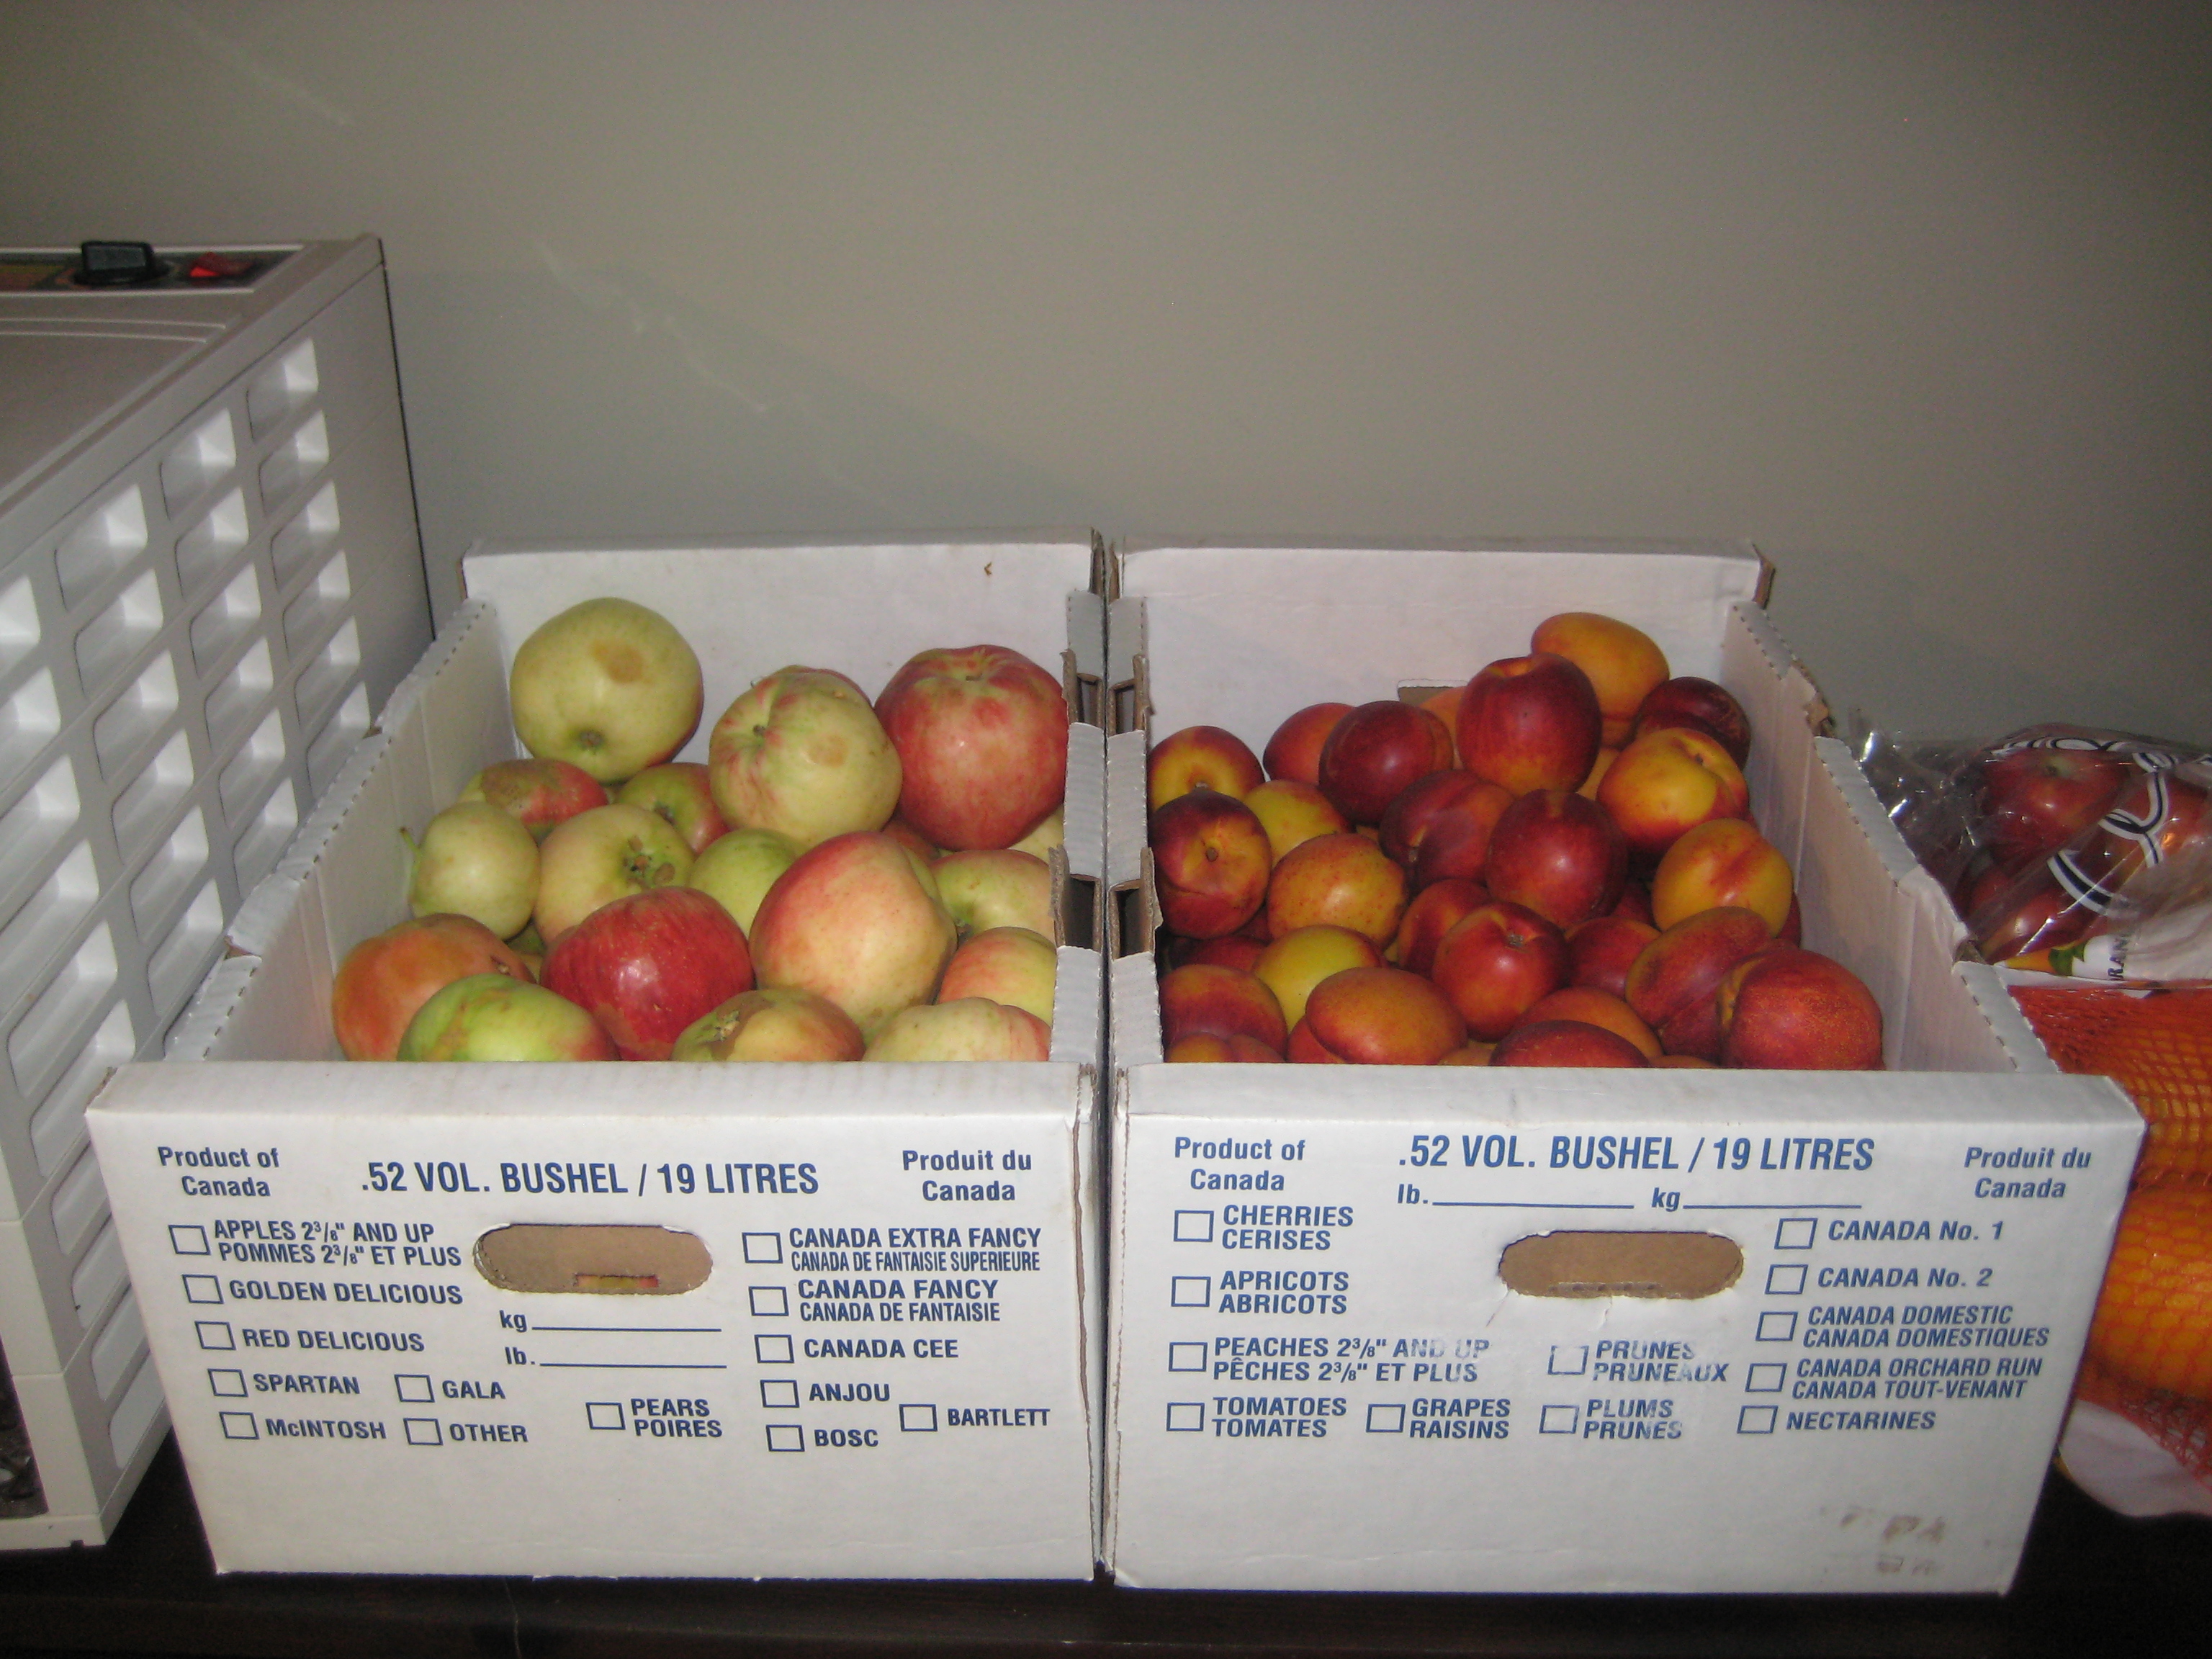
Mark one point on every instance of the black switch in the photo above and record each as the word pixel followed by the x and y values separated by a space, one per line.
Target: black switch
pixel 117 265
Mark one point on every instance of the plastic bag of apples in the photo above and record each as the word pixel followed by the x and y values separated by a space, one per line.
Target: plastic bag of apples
pixel 1555 864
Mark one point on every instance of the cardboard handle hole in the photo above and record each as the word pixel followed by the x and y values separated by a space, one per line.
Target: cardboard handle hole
pixel 593 1260
pixel 1651 1265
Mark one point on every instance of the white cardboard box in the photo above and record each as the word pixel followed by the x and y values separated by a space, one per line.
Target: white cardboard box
pixel 882 1368
pixel 1320 1379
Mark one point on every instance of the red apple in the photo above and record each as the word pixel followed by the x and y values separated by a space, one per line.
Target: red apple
pixel 600 855
pixel 1406 820
pixel 682 792
pixel 857 920
pixel 1200 757
pixel 384 978
pixel 1670 780
pixel 803 754
pixel 1494 965
pixel 981 733
pixel 1374 751
pixel 493 1017
pixel 608 685
pixel 1236 1049
pixel 1530 722
pixel 1345 879
pixel 1622 661
pixel 1686 700
pixel 1600 951
pixel 540 792
pixel 1558 854
pixel 1433 914
pixel 972 1028
pixel 1237 950
pixel 1455 842
pixel 1589 1007
pixel 772 1023
pixel 1381 1017
pixel 2036 801
pixel 1674 983
pixel 1724 861
pixel 647 965
pixel 1795 1008
pixel 1294 753
pixel 1564 1042
pixel 1202 997
pixel 1209 862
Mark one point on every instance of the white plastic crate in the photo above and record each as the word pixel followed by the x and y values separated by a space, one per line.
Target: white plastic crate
pixel 210 581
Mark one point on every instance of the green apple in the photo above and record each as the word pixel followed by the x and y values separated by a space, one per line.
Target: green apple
pixel 608 685
pixel 476 860
pixel 739 867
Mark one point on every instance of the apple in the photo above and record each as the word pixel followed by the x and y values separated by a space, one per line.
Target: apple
pixel 496 1016
pixel 972 1028
pixel 1237 950
pixel 1017 966
pixel 1291 811
pixel 387 977
pixel 1444 705
pixel 1470 1053
pixel 1200 757
pixel 1405 822
pixel 1588 787
pixel 1381 1017
pixel 856 918
pixel 1790 1008
pixel 981 735
pixel 476 860
pixel 1564 1042
pixel 649 963
pixel 1049 832
pixel 738 868
pixel 1202 997
pixel 682 792
pixel 540 792
pixel 1294 753
pixel 1456 840
pixel 1670 780
pixel 771 1023
pixel 1600 951
pixel 1377 749
pixel 995 887
pixel 608 685
pixel 2157 818
pixel 1686 700
pixel 1293 964
pixel 1344 878
pixel 1433 913
pixel 1236 1049
pixel 1558 854
pixel 1530 722
pixel 1723 861
pixel 1674 982
pixel 1635 901
pixel 2031 913
pixel 803 754
pixel 1589 1007
pixel 2035 800
pixel 1495 963
pixel 1209 862
pixel 599 855
pixel 919 844
pixel 1623 662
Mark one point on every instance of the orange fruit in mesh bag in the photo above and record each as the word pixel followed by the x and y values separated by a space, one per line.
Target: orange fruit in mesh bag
pixel 2153 1320
pixel 2158 1048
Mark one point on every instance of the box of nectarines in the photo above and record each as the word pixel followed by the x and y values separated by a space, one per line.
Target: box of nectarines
pixel 765 826
pixel 1555 1148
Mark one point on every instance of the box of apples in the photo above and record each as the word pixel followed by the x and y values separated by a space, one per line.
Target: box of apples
pixel 783 821
pixel 1555 1148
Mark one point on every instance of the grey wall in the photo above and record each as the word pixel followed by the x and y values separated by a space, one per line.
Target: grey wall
pixel 1917 297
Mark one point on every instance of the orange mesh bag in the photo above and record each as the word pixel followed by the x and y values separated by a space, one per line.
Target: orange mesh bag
pixel 2150 1345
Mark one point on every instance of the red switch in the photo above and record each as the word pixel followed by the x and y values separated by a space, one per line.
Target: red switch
pixel 218 267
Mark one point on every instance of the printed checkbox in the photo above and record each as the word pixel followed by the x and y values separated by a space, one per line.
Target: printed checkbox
pixel 779 1393
pixel 1794 1232
pixel 603 1415
pixel 1756 1419
pixel 1558 1419
pixel 768 1301
pixel 187 1239
pixel 226 1385
pixel 772 1349
pixel 1777 1327
pixel 1569 1361
pixel 215 1335
pixel 1386 1419
pixel 786 1437
pixel 1187 1356
pixel 412 1387
pixel 202 1288
pixel 1193 1226
pixel 422 1431
pixel 917 1419
pixel 1186 1416
pixel 763 1249
pixel 1786 1278
pixel 239 1425
pixel 1766 1378
pixel 1190 1291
